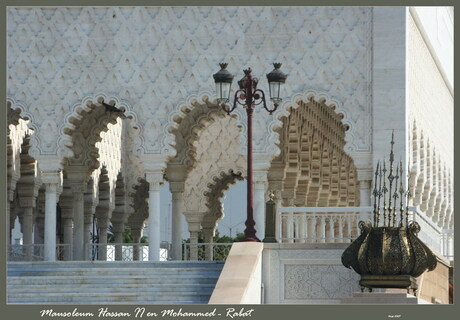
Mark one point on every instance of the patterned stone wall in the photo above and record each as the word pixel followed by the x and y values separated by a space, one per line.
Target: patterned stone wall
pixel 158 59
pixel 307 275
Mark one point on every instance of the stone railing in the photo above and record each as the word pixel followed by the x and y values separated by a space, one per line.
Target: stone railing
pixel 35 252
pixel 206 251
pixel 340 224
pixel 319 224
pixel 441 240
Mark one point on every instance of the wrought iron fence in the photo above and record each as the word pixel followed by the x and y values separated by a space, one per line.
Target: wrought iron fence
pixel 36 252
pixel 206 251
pixel 124 251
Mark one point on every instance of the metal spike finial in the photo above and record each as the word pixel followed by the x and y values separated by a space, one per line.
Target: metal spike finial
pixel 384 193
pixel 395 195
pixel 401 195
pixel 375 193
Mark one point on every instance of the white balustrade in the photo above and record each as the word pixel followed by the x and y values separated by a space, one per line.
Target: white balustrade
pixel 340 224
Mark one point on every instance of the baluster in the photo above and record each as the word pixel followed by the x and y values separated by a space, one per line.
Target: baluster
pixel 340 235
pixel 322 229
pixel 284 228
pixel 296 227
pixel 303 228
pixel 331 229
pixel 310 228
pixel 290 228
pixel 348 227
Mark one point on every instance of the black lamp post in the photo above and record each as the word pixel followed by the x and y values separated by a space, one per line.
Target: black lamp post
pixel 249 96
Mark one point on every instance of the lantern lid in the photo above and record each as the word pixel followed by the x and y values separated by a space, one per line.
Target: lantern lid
pixel 277 75
pixel 223 76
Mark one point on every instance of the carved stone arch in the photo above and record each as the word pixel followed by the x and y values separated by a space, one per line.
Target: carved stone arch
pixel 215 192
pixel 288 105
pixel 186 133
pixel 317 169
pixel 19 133
pixel 182 110
pixel 93 107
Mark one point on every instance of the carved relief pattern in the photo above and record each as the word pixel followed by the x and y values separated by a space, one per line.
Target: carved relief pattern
pixel 316 171
pixel 138 53
pixel 15 139
pixel 318 282
pixel 110 150
pixel 431 134
pixel 216 151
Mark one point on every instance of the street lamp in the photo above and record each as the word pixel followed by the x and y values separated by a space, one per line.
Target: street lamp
pixel 249 96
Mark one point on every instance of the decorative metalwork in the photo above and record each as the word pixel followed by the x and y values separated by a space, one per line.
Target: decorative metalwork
pixel 249 96
pixel 388 253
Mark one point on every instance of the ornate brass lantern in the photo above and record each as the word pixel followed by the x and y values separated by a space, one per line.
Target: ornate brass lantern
pixel 388 253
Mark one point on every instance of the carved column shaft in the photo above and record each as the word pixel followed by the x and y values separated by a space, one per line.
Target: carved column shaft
pixel 50 222
pixel 177 190
pixel 68 237
pixel 78 220
pixel 208 234
pixel 193 246
pixel 102 230
pixel 154 180
pixel 136 234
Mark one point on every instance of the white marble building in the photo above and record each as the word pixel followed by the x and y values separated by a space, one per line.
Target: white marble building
pixel 355 75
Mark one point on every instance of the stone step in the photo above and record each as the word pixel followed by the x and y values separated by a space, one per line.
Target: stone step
pixel 166 272
pixel 118 287
pixel 96 279
pixel 116 264
pixel 105 302
pixel 101 282
pixel 113 296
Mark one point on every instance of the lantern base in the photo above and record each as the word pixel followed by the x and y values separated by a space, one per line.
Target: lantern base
pixel 388 281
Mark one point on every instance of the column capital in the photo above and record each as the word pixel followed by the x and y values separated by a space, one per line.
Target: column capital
pixel 155 179
pixel 176 187
pixel 260 176
pixel 52 177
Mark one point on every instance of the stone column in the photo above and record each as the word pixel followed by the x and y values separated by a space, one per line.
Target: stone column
pixel 39 214
pixel 136 234
pixel 27 230
pixel 154 179
pixel 52 180
pixel 88 226
pixel 194 220
pixel 67 225
pixel 193 256
pixel 8 221
pixel 118 230
pixel 208 234
pixel 78 190
pixel 12 222
pixel 177 189
pixel 260 183
pixel 66 204
pixel 38 229
pixel 102 224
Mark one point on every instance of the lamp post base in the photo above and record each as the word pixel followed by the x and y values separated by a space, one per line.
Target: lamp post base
pixel 250 239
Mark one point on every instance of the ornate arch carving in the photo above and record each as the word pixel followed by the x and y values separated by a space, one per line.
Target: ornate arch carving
pixel 314 168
